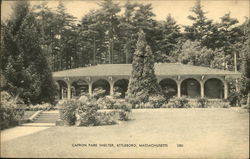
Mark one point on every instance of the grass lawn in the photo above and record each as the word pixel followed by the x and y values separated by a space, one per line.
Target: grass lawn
pixel 204 133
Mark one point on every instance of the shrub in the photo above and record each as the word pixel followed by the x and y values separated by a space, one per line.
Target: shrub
pixel 125 111
pixel 124 115
pixel 133 101
pixel 10 113
pixel 84 111
pixel 86 114
pixel 225 105
pixel 119 103
pixel 44 106
pixel 167 105
pixel 219 104
pixel 106 118
pixel 179 102
pixel 146 105
pixel 156 101
pixel 202 102
pixel 234 98
pixel 109 102
pixel 68 110
pixel 98 93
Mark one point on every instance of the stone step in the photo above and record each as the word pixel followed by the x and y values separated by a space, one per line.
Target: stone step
pixel 47 117
pixel 44 121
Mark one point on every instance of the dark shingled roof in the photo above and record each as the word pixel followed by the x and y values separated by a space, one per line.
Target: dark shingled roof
pixel 163 69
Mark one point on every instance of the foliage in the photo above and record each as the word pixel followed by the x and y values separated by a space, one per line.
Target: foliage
pixel 86 113
pixel 124 115
pixel 44 106
pixel 106 118
pixel 125 111
pixel 179 102
pixel 169 42
pixel 10 113
pixel 143 82
pixel 98 93
pixel 234 95
pixel 202 102
pixel 108 34
pixel 106 102
pixel 156 101
pixel 67 110
pixel 193 53
pixel 24 65
pixel 234 98
pixel 202 28
pixel 244 82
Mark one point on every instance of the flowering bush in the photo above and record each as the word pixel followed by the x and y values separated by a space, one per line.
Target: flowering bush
pixel 125 111
pixel 106 118
pixel 86 113
pixel 156 101
pixel 68 111
pixel 179 102
pixel 98 93
pixel 202 102
pixel 9 111
pixel 45 106
pixel 234 98
pixel 106 102
pixel 119 103
pixel 133 101
pixel 166 105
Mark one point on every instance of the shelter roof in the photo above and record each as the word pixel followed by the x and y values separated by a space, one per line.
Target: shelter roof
pixel 161 69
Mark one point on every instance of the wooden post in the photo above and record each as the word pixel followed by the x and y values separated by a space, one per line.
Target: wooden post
pixel 69 90
pixel 90 88
pixel 202 89
pixel 225 90
pixel 178 89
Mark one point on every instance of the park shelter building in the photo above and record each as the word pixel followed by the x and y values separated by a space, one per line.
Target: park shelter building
pixel 178 79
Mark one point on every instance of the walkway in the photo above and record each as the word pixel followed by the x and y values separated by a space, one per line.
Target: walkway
pixel 20 131
pixel 46 120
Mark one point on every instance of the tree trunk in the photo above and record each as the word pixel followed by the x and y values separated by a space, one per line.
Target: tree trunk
pixel 94 56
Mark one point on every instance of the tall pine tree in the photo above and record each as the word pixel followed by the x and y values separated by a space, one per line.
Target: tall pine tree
pixel 202 29
pixel 25 66
pixel 143 82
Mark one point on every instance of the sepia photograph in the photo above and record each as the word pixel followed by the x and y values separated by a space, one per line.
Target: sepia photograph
pixel 125 79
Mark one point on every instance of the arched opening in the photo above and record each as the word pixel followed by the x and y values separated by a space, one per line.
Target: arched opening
pixel 104 84
pixel 169 87
pixel 81 87
pixel 191 88
pixel 63 89
pixel 214 89
pixel 121 86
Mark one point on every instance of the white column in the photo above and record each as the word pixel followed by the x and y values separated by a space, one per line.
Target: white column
pixel 178 89
pixel 202 89
pixel 69 90
pixel 111 88
pixel 62 92
pixel 225 90
pixel 90 88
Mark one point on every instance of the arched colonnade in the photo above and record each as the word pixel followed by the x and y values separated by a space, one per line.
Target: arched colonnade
pixel 212 87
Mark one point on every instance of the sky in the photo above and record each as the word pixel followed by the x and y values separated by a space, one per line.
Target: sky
pixel 179 9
